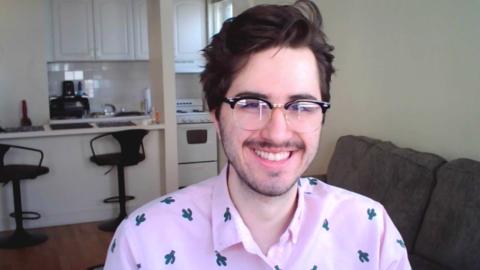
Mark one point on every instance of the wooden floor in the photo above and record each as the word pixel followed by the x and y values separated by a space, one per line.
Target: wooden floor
pixel 70 247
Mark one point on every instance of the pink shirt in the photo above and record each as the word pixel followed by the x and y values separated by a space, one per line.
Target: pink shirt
pixel 199 228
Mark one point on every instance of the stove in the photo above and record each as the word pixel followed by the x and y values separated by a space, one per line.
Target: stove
pixel 190 111
pixel 197 142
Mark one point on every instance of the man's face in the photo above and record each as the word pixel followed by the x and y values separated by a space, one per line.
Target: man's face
pixel 269 160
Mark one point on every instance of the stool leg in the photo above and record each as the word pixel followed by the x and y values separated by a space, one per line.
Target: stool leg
pixel 121 192
pixel 111 225
pixel 17 205
pixel 20 237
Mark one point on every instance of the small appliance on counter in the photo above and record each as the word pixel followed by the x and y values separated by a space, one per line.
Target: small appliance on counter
pixel 69 105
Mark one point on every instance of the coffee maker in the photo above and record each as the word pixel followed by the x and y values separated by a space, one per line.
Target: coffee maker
pixel 69 105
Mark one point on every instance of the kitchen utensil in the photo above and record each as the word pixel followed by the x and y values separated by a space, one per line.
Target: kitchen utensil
pixel 25 121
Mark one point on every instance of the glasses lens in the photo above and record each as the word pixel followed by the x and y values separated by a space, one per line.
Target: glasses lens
pixel 251 114
pixel 304 116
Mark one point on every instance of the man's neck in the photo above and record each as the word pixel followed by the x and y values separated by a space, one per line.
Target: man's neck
pixel 266 217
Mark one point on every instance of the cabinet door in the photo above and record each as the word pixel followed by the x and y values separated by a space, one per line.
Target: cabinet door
pixel 190 34
pixel 140 18
pixel 113 29
pixel 73 30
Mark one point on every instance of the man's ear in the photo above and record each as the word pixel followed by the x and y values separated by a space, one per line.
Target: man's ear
pixel 214 119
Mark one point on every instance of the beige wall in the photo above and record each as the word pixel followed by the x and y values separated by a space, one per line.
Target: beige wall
pixel 23 70
pixel 408 71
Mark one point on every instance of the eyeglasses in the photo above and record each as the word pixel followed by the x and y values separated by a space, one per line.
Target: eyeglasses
pixel 253 113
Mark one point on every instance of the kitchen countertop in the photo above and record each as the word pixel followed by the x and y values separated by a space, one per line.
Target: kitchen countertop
pixel 48 132
pixel 101 119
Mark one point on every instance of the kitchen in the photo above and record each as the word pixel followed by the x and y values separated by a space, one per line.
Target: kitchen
pixel 121 88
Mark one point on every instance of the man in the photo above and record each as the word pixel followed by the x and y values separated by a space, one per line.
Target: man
pixel 267 86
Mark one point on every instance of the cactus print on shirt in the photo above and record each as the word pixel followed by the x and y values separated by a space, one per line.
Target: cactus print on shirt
pixel 199 228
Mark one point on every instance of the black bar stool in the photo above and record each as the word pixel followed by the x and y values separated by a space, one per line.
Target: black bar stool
pixel 16 172
pixel 131 153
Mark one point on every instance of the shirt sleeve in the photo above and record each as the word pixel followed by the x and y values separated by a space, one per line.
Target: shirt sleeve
pixel 121 252
pixel 393 251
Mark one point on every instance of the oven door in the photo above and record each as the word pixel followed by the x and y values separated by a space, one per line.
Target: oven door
pixel 197 143
pixel 197 153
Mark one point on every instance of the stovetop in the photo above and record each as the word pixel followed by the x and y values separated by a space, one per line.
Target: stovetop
pixel 190 111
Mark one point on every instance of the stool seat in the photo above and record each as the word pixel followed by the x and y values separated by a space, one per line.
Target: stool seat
pixel 20 172
pixel 15 173
pixel 113 159
pixel 131 153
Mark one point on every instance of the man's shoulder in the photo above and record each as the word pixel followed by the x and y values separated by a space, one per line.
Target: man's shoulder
pixel 181 204
pixel 342 208
pixel 320 191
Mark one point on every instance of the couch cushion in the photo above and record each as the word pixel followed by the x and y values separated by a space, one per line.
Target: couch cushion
pixel 347 158
pixel 450 233
pixel 399 178
pixel 420 263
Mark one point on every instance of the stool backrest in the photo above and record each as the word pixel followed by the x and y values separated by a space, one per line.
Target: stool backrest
pixel 3 149
pixel 130 143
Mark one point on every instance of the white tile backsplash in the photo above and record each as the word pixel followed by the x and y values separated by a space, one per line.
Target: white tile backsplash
pixel 120 83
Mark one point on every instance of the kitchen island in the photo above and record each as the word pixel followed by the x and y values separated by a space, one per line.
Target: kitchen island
pixel 74 189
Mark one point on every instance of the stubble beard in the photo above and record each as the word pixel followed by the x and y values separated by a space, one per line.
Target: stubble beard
pixel 247 177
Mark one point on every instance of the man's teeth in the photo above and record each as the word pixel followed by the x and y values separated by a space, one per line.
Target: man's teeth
pixel 272 156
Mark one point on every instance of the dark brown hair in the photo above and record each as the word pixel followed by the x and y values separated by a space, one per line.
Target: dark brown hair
pixel 257 29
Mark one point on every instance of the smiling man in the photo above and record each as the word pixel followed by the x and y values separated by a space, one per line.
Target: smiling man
pixel 267 83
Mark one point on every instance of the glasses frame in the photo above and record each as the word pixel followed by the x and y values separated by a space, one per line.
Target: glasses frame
pixel 233 101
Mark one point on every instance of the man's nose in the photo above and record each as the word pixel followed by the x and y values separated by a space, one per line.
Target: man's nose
pixel 277 128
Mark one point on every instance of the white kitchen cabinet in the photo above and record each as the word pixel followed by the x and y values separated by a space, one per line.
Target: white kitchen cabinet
pixel 140 19
pixel 113 29
pixel 190 35
pixel 100 30
pixel 73 30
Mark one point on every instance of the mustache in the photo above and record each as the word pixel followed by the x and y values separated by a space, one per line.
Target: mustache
pixel 298 145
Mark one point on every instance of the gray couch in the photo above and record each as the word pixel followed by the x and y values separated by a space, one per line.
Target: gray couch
pixel 435 204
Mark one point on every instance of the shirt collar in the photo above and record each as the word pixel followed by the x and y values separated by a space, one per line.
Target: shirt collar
pixel 227 225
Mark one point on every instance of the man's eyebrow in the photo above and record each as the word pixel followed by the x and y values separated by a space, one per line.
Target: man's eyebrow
pixel 251 94
pixel 302 96
pixel 262 96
